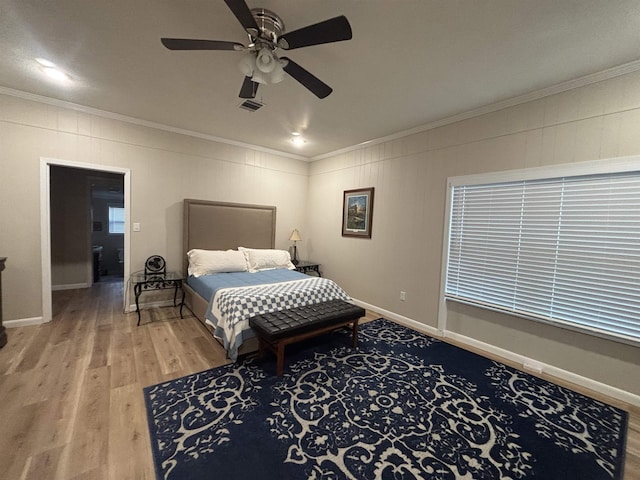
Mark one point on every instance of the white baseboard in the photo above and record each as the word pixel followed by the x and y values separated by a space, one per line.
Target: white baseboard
pixel 406 321
pixel 527 364
pixel 536 367
pixel 27 322
pixel 23 322
pixel 70 286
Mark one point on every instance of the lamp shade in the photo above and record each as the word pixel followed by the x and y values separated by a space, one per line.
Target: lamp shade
pixel 295 236
pixel 260 77
pixel 265 62
pixel 278 73
pixel 247 64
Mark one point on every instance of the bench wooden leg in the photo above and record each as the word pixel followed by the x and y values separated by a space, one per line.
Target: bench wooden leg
pixel 278 346
pixel 280 353
pixel 355 333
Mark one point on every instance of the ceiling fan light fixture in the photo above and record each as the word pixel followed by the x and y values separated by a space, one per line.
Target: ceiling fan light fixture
pixel 265 61
pixel 260 77
pixel 247 64
pixel 266 33
pixel 278 72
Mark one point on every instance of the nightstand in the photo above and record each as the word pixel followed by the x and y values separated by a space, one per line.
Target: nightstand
pixel 157 281
pixel 156 277
pixel 308 267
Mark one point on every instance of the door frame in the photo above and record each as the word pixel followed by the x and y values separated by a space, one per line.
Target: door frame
pixel 45 223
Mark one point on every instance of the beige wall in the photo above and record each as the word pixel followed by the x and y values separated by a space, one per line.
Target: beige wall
pixel 165 169
pixel 409 174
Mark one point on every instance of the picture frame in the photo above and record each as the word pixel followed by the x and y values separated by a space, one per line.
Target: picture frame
pixel 357 212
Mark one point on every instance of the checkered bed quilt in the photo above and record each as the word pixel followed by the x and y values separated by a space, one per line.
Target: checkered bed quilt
pixel 231 308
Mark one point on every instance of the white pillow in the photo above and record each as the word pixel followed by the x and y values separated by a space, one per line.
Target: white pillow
pixel 259 259
pixel 204 262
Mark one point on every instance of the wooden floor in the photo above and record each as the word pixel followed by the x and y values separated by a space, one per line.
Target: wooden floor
pixel 71 398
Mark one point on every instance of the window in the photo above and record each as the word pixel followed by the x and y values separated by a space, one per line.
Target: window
pixel 560 250
pixel 116 219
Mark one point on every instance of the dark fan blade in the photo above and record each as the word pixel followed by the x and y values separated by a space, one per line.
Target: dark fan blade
pixel 249 88
pixel 313 83
pixel 188 44
pixel 333 30
pixel 243 14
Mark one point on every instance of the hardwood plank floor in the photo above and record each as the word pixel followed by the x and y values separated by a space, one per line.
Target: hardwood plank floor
pixel 71 390
pixel 71 398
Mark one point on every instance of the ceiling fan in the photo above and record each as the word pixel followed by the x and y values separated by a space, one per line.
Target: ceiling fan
pixel 261 63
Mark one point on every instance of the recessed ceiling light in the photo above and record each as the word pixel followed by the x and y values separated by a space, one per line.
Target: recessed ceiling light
pixel 45 63
pixel 56 74
pixel 297 140
pixel 52 71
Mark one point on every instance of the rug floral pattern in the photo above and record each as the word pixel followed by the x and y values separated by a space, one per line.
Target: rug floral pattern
pixel 371 415
pixel 401 406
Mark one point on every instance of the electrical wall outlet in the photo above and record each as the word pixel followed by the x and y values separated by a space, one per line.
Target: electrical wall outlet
pixel 136 227
pixel 403 296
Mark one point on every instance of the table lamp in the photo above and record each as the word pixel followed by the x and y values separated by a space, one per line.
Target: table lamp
pixel 295 236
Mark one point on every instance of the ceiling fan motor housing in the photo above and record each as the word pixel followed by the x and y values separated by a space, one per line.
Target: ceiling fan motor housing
pixel 270 24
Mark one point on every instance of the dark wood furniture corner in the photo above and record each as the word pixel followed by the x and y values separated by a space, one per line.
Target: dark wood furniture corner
pixel 3 331
pixel 308 267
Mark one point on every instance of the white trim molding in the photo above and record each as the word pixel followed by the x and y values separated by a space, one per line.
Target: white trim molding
pixel 613 72
pixel 536 368
pixel 45 222
pixel 137 121
pixel 406 321
pixel 618 71
pixel 23 322
pixel 69 286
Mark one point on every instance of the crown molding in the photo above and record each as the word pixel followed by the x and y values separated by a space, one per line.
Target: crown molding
pixel 618 71
pixel 613 72
pixel 137 121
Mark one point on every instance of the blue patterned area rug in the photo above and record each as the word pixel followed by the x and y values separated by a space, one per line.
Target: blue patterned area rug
pixel 401 406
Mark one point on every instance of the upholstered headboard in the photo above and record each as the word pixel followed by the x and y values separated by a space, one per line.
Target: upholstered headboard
pixel 222 226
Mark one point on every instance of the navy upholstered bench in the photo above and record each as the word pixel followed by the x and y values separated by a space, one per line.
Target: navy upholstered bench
pixel 276 330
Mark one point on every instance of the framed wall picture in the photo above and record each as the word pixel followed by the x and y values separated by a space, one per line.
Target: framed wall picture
pixel 357 212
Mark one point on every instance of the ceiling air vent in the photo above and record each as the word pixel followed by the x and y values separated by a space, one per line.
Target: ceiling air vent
pixel 251 105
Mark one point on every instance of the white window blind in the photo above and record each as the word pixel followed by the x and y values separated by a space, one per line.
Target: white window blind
pixel 116 220
pixel 563 250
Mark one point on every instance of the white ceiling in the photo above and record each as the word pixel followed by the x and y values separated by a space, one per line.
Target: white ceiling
pixel 410 62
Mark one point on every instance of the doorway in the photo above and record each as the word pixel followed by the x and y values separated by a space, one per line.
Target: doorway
pixel 106 197
pixel 72 264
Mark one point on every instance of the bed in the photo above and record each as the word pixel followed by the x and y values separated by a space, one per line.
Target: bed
pixel 225 301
